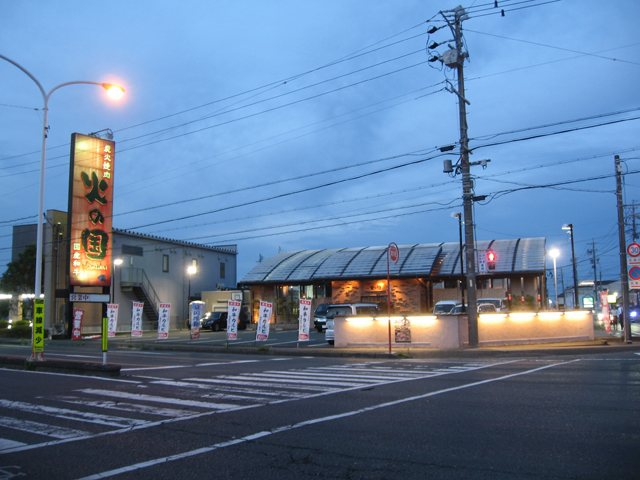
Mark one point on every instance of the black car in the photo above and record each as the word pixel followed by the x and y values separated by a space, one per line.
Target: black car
pixel 216 321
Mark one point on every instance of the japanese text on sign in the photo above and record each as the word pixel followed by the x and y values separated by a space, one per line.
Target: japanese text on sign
pixel 91 192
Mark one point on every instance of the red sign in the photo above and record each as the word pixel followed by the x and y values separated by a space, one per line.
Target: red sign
pixel 91 210
pixel 76 331
pixel 633 249
pixel 394 252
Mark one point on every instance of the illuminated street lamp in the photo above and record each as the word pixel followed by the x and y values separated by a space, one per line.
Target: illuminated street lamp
pixel 555 253
pixel 114 91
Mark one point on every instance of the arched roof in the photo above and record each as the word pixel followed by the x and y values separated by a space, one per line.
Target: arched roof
pixel 524 255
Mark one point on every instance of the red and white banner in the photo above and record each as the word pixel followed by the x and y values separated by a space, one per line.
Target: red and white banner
pixel 233 313
pixel 136 319
pixel 112 315
pixel 164 317
pixel 76 331
pixel 196 310
pixel 262 331
pixel 606 312
pixel 304 320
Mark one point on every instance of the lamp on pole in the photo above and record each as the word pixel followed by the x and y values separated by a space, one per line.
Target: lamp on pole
pixel 555 253
pixel 115 91
pixel 116 263
pixel 576 299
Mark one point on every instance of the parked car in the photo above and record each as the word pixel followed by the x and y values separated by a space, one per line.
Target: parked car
pixel 216 321
pixel 481 308
pixel 499 303
pixel 320 317
pixel 346 310
pixel 487 308
pixel 444 307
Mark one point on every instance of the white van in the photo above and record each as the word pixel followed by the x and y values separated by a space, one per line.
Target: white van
pixel 444 307
pixel 346 310
pixel 499 303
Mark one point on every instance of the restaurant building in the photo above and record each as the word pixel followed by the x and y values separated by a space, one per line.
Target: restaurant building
pixel 423 275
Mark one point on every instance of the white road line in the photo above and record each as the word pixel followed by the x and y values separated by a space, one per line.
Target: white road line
pixel 306 423
pixel 249 391
pixel 5 444
pixel 200 386
pixel 283 377
pixel 129 407
pixel 67 414
pixel 253 383
pixel 105 379
pixel 40 428
pixel 376 374
pixel 158 399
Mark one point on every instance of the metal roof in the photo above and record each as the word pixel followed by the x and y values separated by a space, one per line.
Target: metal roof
pixel 437 260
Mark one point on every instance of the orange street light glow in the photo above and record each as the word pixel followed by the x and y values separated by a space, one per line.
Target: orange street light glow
pixel 116 92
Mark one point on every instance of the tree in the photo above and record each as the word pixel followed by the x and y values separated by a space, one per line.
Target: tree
pixel 20 275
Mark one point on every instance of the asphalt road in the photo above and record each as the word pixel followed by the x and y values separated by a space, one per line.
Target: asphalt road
pixel 201 415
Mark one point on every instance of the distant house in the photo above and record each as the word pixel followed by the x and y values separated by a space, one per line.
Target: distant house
pixel 423 275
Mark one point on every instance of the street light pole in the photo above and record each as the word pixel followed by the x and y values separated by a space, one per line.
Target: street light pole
pixel 576 297
pixel 114 90
pixel 554 252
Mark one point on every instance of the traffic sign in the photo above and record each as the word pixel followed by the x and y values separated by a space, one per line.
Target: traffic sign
pixel 634 277
pixel 633 249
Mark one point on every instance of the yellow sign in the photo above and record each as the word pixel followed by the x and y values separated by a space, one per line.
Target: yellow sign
pixel 38 325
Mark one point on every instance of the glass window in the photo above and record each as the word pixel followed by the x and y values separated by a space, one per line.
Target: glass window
pixel 165 263
pixel 223 268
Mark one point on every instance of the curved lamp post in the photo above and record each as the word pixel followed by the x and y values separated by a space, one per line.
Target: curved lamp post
pixel 114 91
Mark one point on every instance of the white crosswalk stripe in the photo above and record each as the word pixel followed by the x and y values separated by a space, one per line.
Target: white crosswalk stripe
pixel 172 399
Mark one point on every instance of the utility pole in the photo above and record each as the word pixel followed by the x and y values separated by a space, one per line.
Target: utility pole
pixel 622 245
pixel 592 251
pixel 455 59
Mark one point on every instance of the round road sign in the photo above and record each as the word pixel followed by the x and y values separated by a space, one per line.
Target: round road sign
pixel 634 273
pixel 633 249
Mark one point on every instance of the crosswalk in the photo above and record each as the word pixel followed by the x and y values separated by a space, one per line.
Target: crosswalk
pixel 151 400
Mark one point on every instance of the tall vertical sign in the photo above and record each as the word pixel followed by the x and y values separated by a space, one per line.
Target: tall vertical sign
pixel 90 210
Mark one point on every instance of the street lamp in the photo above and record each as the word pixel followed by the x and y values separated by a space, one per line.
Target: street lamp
pixel 114 91
pixel 576 299
pixel 116 263
pixel 458 215
pixel 555 253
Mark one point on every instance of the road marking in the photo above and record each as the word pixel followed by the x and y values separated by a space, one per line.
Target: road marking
pixel 67 414
pixel 40 428
pixel 315 392
pixel 305 423
pixel 105 379
pixel 128 407
pixel 158 399
pixel 5 444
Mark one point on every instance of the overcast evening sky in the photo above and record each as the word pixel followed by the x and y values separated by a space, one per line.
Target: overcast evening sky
pixel 247 121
